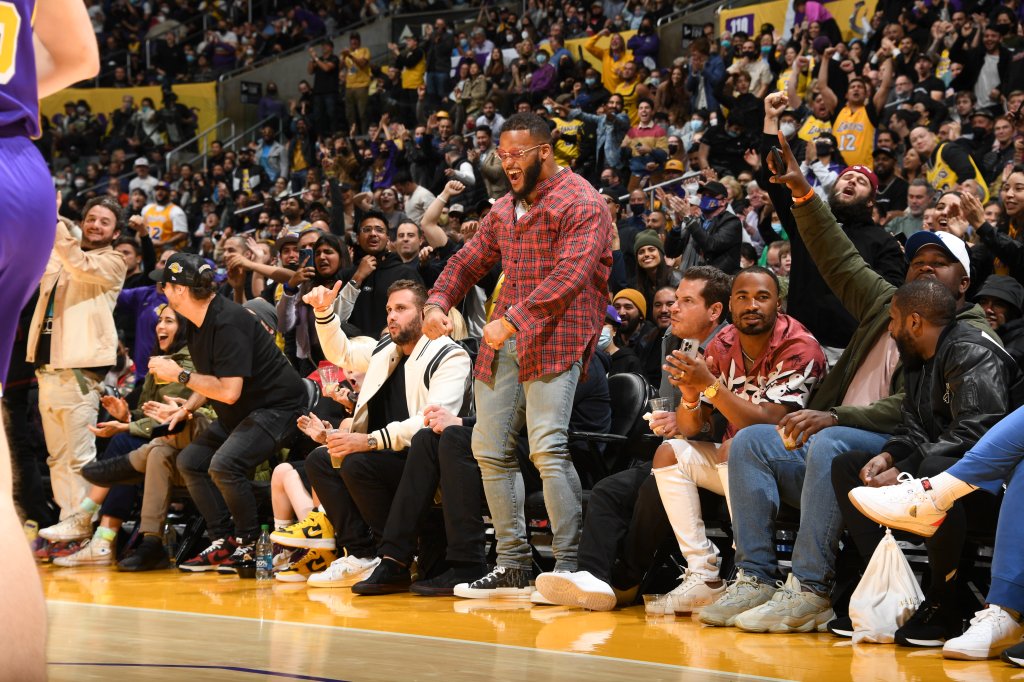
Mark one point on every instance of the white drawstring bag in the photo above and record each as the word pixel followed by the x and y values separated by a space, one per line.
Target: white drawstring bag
pixel 886 597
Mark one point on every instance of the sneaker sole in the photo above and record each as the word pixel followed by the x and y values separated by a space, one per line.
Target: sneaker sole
pixel 376 590
pixel 290 577
pixel 819 623
pixel 921 643
pixel 199 569
pixel 1007 658
pixel 970 654
pixel 923 529
pixel 432 591
pixel 304 543
pixel 64 538
pixel 59 561
pixel 500 593
pixel 347 581
pixel 563 591
pixel 718 622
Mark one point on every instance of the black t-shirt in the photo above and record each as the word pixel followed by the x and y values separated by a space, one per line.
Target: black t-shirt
pixel 389 403
pixel 893 195
pixel 326 82
pixel 369 313
pixel 233 343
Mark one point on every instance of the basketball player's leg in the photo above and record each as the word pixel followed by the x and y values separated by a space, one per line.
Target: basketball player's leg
pixel 28 218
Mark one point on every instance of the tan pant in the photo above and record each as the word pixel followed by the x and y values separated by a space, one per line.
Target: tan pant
pixel 66 413
pixel 157 458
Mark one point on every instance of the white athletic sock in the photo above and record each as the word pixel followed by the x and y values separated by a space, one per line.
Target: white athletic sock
pixel 947 489
pixel 282 523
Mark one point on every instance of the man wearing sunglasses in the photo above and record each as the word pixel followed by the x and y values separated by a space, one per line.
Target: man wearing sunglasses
pixel 552 235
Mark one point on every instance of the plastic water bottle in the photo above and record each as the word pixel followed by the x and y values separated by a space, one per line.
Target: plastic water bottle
pixel 264 555
pixel 170 541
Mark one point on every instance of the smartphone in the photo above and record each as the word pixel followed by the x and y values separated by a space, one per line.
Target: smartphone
pixel 306 257
pixel 777 161
pixel 165 430
pixel 690 347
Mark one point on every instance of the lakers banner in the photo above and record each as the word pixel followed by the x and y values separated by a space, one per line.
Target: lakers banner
pixel 780 14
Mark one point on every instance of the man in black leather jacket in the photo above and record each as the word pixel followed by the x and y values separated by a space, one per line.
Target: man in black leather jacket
pixel 713 239
pixel 959 383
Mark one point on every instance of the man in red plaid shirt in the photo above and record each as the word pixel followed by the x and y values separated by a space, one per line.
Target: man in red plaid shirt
pixel 552 234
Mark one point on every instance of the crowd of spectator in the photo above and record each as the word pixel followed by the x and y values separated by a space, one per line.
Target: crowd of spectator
pixel 854 207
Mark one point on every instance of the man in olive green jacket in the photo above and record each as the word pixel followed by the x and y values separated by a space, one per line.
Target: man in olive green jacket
pixel 855 407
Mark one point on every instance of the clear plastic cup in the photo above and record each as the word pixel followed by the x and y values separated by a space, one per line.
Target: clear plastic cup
pixel 329 379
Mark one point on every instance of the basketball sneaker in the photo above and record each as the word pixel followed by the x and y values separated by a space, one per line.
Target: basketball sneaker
pixel 310 562
pixel 210 558
pixel 78 526
pixel 312 532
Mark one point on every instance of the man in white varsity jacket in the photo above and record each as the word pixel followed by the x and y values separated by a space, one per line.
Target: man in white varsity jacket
pixel 355 475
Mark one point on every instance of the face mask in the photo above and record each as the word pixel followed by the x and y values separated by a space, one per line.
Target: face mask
pixel 511 37
pixel 766 49
pixel 605 182
pixel 418 139
pixel 541 58
pixel 708 205
pixel 726 44
pixel 787 129
pixel 525 35
pixel 777 227
pixel 550 108
pixel 673 148
pixel 979 133
pixel 1002 29
pixel 79 183
pixel 464 43
pixel 605 339
pixel 591 82
pixel 732 133
pixel 750 55
pixel 695 126
pixel 637 209
pixel 655 82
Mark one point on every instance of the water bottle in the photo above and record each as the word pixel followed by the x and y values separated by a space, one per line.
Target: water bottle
pixel 170 541
pixel 264 555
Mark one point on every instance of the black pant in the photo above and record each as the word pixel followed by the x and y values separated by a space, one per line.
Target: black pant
pixel 26 440
pixel 357 497
pixel 446 460
pixel 973 512
pixel 121 499
pixel 218 466
pixel 624 526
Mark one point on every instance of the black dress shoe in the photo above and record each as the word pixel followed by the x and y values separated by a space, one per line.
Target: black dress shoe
pixel 149 556
pixel 390 577
pixel 107 473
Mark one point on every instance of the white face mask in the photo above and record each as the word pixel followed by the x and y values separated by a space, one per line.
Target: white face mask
pixel 787 129
pixel 605 339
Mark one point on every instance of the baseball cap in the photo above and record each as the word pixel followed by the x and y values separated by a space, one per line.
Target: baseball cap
pixel 184 269
pixel 141 161
pixel 456 208
pixel 287 238
pixel 163 184
pixel 863 170
pixel 884 151
pixel 675 165
pixel 1005 289
pixel 715 189
pixel 951 244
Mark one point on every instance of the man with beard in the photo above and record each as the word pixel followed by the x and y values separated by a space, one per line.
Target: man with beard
pixel 291 211
pixel 356 474
pixel 891 197
pixel 949 165
pixel 77 296
pixel 631 305
pixel 650 347
pixel 853 409
pixel 755 371
pixel 552 235
pixel 386 268
pixel 851 200
pixel 960 383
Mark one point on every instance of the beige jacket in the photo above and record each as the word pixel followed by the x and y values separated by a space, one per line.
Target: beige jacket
pixel 85 285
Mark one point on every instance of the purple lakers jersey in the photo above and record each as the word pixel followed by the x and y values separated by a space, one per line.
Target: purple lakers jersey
pixel 19 98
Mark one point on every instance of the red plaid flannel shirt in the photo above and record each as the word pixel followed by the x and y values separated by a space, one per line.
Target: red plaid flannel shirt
pixel 556 261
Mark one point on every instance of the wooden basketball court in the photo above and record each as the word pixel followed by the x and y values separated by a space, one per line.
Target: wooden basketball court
pixel 166 625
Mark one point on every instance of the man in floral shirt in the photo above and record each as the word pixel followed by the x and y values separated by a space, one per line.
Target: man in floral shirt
pixel 755 371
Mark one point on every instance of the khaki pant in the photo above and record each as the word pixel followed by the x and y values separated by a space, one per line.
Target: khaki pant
pixel 69 402
pixel 157 459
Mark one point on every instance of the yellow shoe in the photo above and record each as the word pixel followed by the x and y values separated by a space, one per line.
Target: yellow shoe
pixel 312 532
pixel 313 561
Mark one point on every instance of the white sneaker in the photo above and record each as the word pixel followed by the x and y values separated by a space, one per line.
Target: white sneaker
pixel 577 589
pixel 992 630
pixel 75 527
pixel 906 506
pixel 93 553
pixel 690 596
pixel 347 570
pixel 537 598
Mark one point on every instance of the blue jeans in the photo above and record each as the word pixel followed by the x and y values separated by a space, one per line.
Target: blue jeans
pixel 762 472
pixel 544 404
pixel 994 459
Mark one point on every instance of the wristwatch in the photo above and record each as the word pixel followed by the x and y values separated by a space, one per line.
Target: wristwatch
pixel 835 416
pixel 184 376
pixel 371 442
pixel 711 391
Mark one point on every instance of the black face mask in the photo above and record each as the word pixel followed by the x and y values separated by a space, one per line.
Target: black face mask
pixel 606 182
pixel 1002 29
pixel 673 148
pixel 979 133
pixel 637 209
pixel 750 55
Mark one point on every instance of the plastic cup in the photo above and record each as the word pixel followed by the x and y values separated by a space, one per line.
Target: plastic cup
pixel 659 404
pixel 655 605
pixel 329 379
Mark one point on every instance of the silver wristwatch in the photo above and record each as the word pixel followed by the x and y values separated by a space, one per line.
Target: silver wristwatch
pixel 371 442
